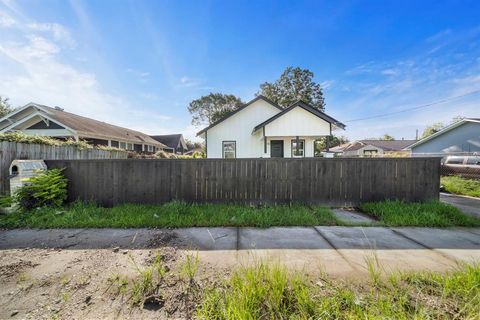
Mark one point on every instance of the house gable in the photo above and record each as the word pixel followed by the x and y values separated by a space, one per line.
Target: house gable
pixel 251 102
pixel 297 122
pixel 45 125
pixel 238 127
pixel 457 138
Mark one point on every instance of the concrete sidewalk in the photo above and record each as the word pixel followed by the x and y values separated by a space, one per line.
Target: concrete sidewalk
pixel 336 250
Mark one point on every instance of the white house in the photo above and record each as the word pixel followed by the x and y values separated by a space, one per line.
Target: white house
pixel 263 129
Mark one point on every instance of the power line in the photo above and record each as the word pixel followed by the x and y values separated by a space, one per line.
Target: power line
pixel 417 107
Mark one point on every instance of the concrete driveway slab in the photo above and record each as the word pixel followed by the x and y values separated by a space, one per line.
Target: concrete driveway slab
pixel 281 238
pixel 352 217
pixel 366 238
pixel 468 205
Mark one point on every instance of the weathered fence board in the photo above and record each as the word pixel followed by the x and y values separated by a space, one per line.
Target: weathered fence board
pixel 10 151
pixel 342 181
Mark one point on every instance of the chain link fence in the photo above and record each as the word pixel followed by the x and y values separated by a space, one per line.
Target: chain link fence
pixel 464 171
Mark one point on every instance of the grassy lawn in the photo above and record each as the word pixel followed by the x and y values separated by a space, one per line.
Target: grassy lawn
pixel 462 186
pixel 271 292
pixel 170 215
pixel 429 214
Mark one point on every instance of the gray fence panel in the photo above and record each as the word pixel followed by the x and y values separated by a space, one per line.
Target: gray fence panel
pixel 343 181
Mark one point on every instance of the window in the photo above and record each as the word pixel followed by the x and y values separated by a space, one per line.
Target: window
pixel 123 145
pixel 475 160
pixel 370 153
pixel 129 146
pixel 150 148
pixel 298 151
pixel 454 160
pixel 229 149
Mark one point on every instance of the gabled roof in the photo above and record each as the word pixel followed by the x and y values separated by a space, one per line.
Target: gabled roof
pixel 171 140
pixel 306 107
pixel 444 130
pixel 386 145
pixel 239 109
pixel 87 127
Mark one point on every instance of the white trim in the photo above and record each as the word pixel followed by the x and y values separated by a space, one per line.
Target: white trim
pixel 436 134
pixel 36 113
pixel 28 105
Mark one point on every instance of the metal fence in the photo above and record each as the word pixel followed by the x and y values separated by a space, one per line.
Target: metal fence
pixel 342 181
pixel 468 172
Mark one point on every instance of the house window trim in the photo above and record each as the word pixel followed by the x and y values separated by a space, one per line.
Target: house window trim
pixel 291 148
pixel 370 153
pixel 235 148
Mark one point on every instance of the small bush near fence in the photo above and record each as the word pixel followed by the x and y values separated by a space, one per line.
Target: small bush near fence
pixel 48 188
pixel 462 186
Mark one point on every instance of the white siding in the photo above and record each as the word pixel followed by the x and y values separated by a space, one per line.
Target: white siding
pixel 239 128
pixel 297 122
pixel 287 146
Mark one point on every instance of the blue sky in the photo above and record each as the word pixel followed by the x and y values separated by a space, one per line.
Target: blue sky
pixel 139 63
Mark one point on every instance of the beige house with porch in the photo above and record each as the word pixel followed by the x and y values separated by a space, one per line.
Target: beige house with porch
pixel 40 120
pixel 263 129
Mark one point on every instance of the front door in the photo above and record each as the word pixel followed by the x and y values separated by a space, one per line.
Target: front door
pixel 276 149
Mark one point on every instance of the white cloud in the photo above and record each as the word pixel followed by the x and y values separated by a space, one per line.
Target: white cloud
pixel 390 72
pixel 6 21
pixel 59 32
pixel 33 69
pixel 327 84
pixel 138 73
pixel 186 81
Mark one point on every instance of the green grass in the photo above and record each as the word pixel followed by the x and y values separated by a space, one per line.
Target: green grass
pixel 170 215
pixel 428 214
pixel 462 186
pixel 271 292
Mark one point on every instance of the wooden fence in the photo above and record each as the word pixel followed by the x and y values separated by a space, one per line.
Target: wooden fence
pixel 10 151
pixel 343 181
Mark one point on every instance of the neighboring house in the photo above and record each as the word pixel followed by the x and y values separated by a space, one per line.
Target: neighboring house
pixel 175 142
pixel 371 148
pixel 36 119
pixel 261 128
pixel 459 138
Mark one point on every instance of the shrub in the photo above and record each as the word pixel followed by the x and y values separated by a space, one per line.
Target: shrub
pixel 5 201
pixel 81 144
pixel 48 188
pixel 458 185
pixel 164 155
pixel 107 148
pixel 23 138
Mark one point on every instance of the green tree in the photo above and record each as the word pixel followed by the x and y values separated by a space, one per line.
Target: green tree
pixel 5 107
pixel 194 144
pixel 294 84
pixel 434 128
pixel 388 137
pixel 210 108
pixel 321 144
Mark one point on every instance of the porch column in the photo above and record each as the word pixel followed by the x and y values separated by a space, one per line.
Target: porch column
pixel 264 142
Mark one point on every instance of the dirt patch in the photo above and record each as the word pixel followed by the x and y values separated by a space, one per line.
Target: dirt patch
pixel 13 269
pixel 77 284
